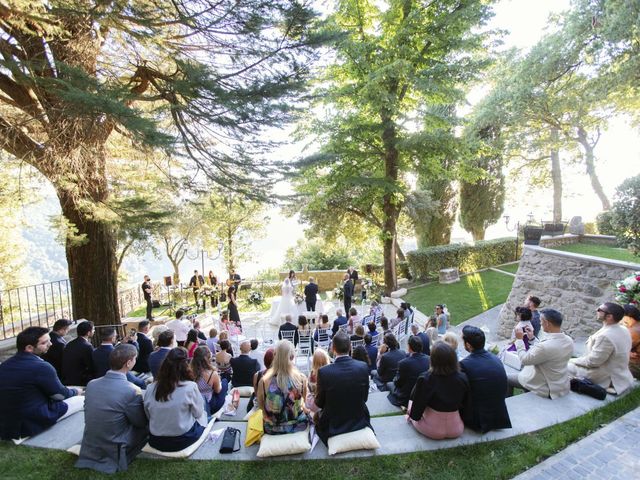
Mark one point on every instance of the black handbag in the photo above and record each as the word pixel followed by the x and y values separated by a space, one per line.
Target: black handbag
pixel 587 387
pixel 229 440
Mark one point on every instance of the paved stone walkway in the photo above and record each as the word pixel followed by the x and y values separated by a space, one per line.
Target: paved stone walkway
pixel 608 454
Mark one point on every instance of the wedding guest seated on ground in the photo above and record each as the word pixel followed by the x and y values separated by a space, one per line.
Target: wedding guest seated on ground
pixel 488 382
pixel 223 360
pixel 212 341
pixel 77 361
pixel 549 377
pixel 384 326
pixel 100 357
pixel 439 396
pixel 341 393
pixel 409 369
pixel 606 361
pixel 354 320
pixel 399 318
pixel 532 304
pixel 180 327
pixel 145 347
pixel 166 341
pixel 57 334
pixel 255 353
pixel 426 343
pixel 323 324
pixel 451 339
pixel 358 334
pixel 288 326
pixel 339 321
pixel 174 405
pixel 202 338
pixel 442 319
pixel 376 309
pixel 631 320
pixel 282 392
pixel 523 322
pixel 211 386
pixel 243 366
pixel 268 361
pixel 372 351
pixel 115 425
pixel 360 353
pixel 320 359
pixel 389 356
pixel 32 398
pixel 157 330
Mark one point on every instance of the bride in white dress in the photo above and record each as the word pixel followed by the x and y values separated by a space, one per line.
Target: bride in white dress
pixel 287 304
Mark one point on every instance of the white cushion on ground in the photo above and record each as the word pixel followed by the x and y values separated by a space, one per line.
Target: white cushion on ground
pixel 18 441
pixel 184 453
pixel 75 449
pixel 363 439
pixel 403 281
pixel 75 404
pixel 399 293
pixel 286 444
pixel 245 391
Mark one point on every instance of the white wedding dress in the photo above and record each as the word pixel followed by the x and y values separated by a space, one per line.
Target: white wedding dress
pixel 287 305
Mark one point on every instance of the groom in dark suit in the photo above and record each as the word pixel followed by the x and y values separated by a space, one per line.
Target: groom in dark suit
pixel 348 293
pixel 342 393
pixel 311 295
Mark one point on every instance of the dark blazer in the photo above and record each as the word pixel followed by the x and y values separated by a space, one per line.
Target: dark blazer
pixel 145 347
pixel 409 369
pixel 426 344
pixel 193 281
pixel 77 362
pixel 342 392
pixel 354 275
pixel 243 367
pixel 101 365
pixel 115 425
pixel 54 354
pixel 155 360
pixel 288 326
pixel 310 292
pixel 348 289
pixel 488 382
pixel 389 364
pixel 30 396
pixel 337 322
pixel 373 355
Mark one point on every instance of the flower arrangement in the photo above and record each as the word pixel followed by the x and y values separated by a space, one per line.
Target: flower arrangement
pixel 255 297
pixel 372 289
pixel 628 290
pixel 299 298
pixel 338 292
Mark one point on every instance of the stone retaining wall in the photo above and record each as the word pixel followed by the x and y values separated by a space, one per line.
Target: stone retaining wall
pixel 326 279
pixel 571 283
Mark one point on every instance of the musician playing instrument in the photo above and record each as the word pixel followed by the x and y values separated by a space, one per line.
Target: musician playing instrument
pixel 196 282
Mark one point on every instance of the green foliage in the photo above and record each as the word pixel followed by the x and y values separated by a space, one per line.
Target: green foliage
pixel 626 214
pixel 427 262
pixel 317 254
pixel 605 223
pixel 402 271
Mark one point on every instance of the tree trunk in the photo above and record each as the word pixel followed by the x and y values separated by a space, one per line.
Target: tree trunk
pixel 390 208
pixel 92 263
pixel 399 253
pixel 478 234
pixel 590 162
pixel 556 177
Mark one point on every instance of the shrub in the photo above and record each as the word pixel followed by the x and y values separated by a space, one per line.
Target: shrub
pixel 427 262
pixel 377 271
pixel 626 214
pixel 605 225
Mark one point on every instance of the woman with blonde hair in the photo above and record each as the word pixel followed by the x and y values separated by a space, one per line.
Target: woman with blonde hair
pixel 320 359
pixel 281 393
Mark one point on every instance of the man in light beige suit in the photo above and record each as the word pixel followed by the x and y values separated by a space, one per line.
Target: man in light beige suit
pixel 607 359
pixel 545 363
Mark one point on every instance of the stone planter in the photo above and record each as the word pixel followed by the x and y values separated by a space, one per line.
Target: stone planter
pixel 449 275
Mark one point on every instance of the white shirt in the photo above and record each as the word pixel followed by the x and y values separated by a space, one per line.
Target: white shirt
pixel 180 328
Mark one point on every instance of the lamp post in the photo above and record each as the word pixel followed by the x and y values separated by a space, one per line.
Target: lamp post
pixel 202 253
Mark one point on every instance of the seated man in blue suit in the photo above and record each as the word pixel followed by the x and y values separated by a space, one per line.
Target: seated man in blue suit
pixel 101 357
pixel 488 382
pixel 340 320
pixel 166 341
pixel 31 395
pixel 145 347
pixel 77 364
pixel 409 369
pixel 342 393
pixel 244 366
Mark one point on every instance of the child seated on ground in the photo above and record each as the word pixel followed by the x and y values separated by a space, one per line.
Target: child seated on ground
pixel 523 317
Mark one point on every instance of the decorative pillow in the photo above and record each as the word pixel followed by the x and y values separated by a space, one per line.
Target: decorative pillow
pixel 363 439
pixel 245 391
pixel 286 444
pixel 75 449
pixel 187 452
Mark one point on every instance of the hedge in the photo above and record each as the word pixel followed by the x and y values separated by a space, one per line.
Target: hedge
pixel 426 263
pixel 377 271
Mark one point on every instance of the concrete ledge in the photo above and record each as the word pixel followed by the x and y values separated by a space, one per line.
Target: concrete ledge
pixel 579 256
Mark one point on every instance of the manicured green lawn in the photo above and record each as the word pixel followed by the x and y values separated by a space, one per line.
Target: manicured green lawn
pixel 604 251
pixel 511 268
pixel 472 295
pixel 499 459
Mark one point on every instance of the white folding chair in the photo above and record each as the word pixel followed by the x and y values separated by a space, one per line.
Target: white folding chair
pixel 367 320
pixel 356 343
pixel 303 349
pixel 344 328
pixel 374 340
pixel 288 335
pixel 323 338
